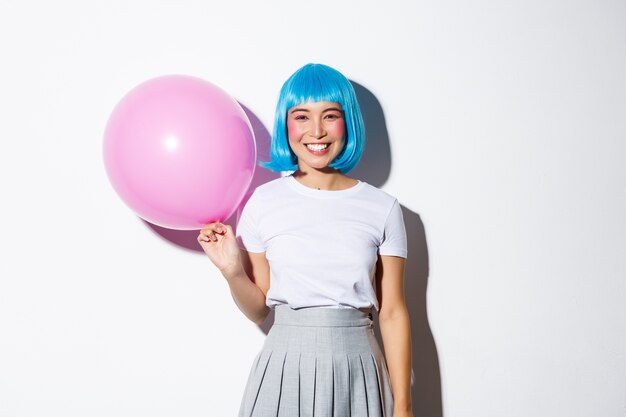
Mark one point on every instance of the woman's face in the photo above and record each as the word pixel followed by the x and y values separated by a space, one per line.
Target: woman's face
pixel 316 132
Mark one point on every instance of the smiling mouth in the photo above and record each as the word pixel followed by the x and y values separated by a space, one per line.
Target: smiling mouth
pixel 317 146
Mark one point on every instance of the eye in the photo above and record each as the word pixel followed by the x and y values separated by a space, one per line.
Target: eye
pixel 300 117
pixel 332 116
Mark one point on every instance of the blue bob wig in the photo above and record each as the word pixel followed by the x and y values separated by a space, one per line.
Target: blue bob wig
pixel 313 83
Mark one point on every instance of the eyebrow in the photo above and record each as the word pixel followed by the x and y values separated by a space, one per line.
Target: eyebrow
pixel 323 111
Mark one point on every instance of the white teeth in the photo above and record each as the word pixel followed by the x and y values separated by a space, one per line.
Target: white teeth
pixel 317 147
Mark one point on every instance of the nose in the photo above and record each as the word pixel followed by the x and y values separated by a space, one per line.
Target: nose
pixel 317 129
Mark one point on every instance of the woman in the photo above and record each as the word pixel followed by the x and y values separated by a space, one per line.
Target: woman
pixel 336 248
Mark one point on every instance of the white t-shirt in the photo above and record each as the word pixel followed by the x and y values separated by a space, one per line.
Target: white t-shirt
pixel 321 245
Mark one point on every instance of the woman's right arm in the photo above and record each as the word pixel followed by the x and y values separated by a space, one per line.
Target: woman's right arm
pixel 246 273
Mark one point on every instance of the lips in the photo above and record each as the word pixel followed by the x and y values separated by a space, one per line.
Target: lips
pixel 318 150
pixel 317 145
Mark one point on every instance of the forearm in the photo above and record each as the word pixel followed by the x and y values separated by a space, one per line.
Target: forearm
pixel 395 329
pixel 247 295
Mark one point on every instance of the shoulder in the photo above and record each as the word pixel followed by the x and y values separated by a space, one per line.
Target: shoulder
pixel 377 195
pixel 270 189
pixel 265 194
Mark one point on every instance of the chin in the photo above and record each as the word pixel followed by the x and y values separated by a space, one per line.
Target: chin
pixel 324 168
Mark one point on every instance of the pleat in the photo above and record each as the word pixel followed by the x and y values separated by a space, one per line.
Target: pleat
pixel 244 399
pixel 270 387
pixel 324 386
pixel 254 383
pixel 289 405
pixel 358 399
pixel 384 387
pixel 372 386
pixel 307 385
pixel 341 386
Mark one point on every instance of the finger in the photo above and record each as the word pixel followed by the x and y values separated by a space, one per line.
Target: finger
pixel 206 235
pixel 213 227
pixel 217 226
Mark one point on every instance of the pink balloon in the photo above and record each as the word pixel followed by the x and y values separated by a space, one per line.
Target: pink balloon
pixel 180 152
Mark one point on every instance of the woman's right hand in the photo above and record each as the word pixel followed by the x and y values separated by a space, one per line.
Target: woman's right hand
pixel 219 243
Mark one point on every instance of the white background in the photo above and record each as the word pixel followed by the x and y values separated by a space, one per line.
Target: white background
pixel 501 128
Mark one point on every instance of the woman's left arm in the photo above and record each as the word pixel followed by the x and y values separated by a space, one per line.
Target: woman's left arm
pixel 395 329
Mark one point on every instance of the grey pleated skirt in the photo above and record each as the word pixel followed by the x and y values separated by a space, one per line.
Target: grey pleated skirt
pixel 319 362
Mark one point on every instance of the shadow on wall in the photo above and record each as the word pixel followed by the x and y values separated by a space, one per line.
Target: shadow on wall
pixel 374 168
pixel 375 164
pixel 426 389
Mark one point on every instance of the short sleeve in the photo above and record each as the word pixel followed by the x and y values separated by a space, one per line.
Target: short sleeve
pixel 247 234
pixel 394 241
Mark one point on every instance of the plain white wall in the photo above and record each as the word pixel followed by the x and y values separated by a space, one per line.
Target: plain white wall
pixel 503 130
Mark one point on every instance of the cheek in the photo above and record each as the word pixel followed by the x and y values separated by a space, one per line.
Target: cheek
pixel 338 130
pixel 293 131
